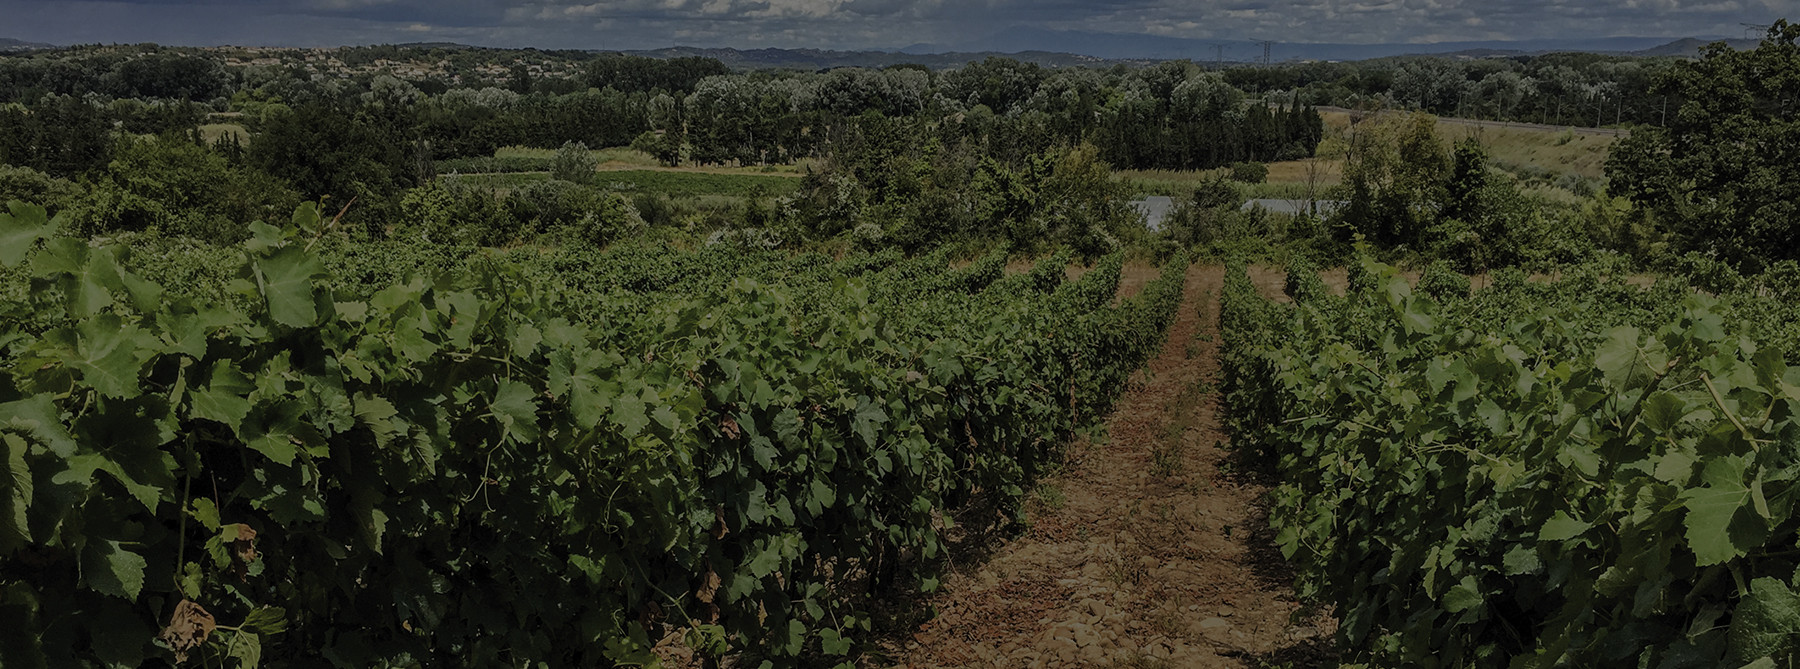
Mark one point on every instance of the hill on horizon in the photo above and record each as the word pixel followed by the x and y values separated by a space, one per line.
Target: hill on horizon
pixel 1078 48
pixel 10 44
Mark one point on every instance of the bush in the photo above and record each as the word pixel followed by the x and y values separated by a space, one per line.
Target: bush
pixel 1250 173
pixel 448 211
pixel 494 165
pixel 574 163
pixel 1443 283
pixel 28 185
pixel 171 185
pixel 562 208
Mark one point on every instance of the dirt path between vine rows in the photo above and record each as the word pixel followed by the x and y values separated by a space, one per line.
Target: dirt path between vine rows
pixel 1144 551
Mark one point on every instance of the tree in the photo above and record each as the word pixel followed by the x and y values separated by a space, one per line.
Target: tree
pixel 665 147
pixel 62 135
pixel 170 76
pixel 172 184
pixel 1000 83
pixel 1722 178
pixel 331 150
pixel 574 163
pixel 1394 172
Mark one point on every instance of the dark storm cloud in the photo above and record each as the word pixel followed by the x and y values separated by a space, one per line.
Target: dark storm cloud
pixel 858 23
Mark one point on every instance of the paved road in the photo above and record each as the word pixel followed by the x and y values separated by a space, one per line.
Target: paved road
pixel 1604 132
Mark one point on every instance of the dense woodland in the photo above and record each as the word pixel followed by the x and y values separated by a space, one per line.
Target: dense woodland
pixel 903 155
pixel 113 135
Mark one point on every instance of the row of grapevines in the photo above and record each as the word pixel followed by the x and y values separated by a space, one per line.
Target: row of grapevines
pixel 1534 485
pixel 461 471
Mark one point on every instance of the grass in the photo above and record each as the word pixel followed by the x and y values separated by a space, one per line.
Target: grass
pixel 1162 182
pixel 1557 151
pixel 621 158
pixel 1050 496
pixel 524 152
pixel 494 165
pixel 685 184
pixel 702 187
pixel 1327 172
pixel 1553 151
pixel 507 181
pixel 211 132
pixel 1179 184
pixel 620 155
pixel 1525 151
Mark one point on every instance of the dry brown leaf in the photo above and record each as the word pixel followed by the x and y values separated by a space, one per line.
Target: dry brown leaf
pixel 243 549
pixel 189 627
pixel 709 586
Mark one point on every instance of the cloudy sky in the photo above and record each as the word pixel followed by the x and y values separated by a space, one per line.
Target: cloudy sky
pixel 859 24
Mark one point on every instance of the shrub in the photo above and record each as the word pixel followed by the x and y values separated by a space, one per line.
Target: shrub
pixel 450 211
pixel 1250 173
pixel 574 163
pixel 28 185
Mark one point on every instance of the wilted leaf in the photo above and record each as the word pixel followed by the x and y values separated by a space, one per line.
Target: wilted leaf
pixel 241 543
pixel 1663 411
pixel 189 628
pixel 709 586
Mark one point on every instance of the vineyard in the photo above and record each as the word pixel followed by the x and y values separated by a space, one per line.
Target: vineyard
pixel 1577 472
pixel 395 454
pixel 392 454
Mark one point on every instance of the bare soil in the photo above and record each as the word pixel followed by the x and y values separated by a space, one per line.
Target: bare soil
pixel 1146 550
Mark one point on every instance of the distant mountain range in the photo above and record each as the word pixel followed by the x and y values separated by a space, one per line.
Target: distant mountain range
pixel 1078 48
pixel 1120 46
pixel 1690 47
pixel 815 59
pixel 1053 48
pixel 10 44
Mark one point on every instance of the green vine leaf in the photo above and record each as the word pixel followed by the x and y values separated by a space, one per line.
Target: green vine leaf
pixel 1766 623
pixel 20 229
pixel 287 286
pixel 1711 511
pixel 109 569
